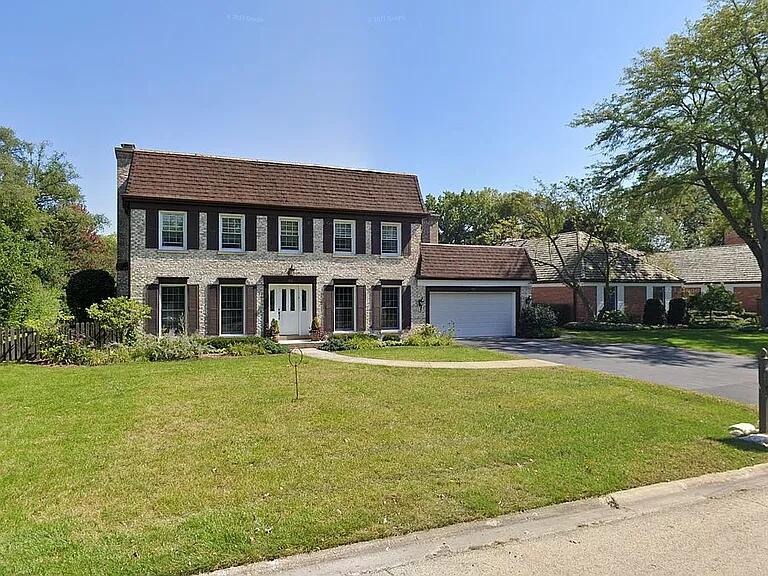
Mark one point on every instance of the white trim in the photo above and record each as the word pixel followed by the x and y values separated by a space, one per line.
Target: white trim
pixel 160 214
pixel 241 217
pixel 354 308
pixel 475 283
pixel 399 252
pixel 242 287
pixel 399 308
pixel 352 224
pixel 280 221
pixel 160 306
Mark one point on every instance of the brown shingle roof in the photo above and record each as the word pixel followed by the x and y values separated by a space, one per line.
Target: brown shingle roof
pixel 198 178
pixel 730 264
pixel 457 262
pixel 626 265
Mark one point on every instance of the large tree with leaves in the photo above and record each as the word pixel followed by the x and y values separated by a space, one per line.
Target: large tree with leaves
pixel 694 114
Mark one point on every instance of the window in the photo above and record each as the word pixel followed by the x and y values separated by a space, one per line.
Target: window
pixel 232 310
pixel 272 300
pixel 290 235
pixel 173 306
pixel 232 232
pixel 390 239
pixel 344 308
pixel 390 307
pixel 173 230
pixel 612 298
pixel 343 237
pixel 659 292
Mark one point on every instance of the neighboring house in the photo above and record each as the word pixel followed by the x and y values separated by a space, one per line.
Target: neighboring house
pixel 732 265
pixel 633 278
pixel 223 246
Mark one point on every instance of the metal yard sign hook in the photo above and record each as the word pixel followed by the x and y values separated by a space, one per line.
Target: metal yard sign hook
pixel 295 358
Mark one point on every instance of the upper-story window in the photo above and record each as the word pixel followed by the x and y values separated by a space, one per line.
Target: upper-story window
pixel 173 230
pixel 390 239
pixel 343 236
pixel 290 235
pixel 232 232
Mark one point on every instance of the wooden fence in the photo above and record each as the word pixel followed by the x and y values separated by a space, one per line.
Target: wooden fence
pixel 23 345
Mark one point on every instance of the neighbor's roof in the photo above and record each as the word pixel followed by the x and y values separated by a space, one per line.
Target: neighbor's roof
pixel 627 265
pixel 211 179
pixel 729 264
pixel 457 262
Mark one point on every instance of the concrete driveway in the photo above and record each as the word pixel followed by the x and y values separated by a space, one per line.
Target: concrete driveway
pixel 725 375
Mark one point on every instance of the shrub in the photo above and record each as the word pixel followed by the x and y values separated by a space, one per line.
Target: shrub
pixel 57 348
pixel 245 345
pixel 590 326
pixel 161 348
pixel 88 287
pixel 120 314
pixel 653 314
pixel 564 313
pixel 538 321
pixel 338 342
pixel 391 338
pixel 428 335
pixel 613 317
pixel 716 298
pixel 678 311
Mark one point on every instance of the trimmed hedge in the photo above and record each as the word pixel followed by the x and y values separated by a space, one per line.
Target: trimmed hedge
pixel 654 313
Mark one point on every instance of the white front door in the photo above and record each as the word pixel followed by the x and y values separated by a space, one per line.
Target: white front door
pixel 291 306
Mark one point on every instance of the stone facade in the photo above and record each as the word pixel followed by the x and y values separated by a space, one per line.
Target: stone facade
pixel 204 267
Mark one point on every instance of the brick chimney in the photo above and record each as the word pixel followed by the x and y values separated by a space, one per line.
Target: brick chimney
pixel 732 238
pixel 124 156
pixel 429 229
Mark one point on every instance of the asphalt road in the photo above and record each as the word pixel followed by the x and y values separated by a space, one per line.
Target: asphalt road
pixel 724 375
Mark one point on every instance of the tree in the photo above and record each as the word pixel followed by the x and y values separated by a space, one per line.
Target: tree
pixel 88 287
pixel 694 113
pixel 45 231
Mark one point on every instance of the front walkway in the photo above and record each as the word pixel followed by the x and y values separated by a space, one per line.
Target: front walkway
pixel 724 375
pixel 524 363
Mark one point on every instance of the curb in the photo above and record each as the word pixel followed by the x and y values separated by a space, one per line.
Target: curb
pixel 392 552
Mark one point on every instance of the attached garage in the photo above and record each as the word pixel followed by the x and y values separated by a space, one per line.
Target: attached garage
pixel 474 313
pixel 474 290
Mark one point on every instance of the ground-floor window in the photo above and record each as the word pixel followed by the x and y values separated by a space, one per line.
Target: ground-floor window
pixel 173 304
pixel 344 308
pixel 390 307
pixel 232 309
pixel 612 298
pixel 659 293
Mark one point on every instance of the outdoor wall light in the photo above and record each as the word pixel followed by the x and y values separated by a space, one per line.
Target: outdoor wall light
pixel 291 270
pixel 420 302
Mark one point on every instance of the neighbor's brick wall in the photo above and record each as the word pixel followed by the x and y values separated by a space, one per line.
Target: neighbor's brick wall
pixel 634 301
pixel 204 267
pixel 749 297
pixel 564 295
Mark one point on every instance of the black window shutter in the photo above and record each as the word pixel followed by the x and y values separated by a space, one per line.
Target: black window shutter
pixel 360 236
pixel 328 235
pixel 360 326
pixel 212 312
pixel 250 309
pixel 150 228
pixel 308 240
pixel 407 308
pixel 272 233
pixel 405 228
pixel 376 308
pixel 250 232
pixel 193 308
pixel 213 230
pixel 193 230
pixel 375 237
pixel 328 308
pixel 152 299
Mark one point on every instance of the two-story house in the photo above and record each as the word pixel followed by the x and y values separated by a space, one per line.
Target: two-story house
pixel 223 246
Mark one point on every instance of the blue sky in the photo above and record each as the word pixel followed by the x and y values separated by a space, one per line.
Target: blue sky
pixel 464 94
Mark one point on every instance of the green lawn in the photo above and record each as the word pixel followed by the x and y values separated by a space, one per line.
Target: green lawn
pixel 728 341
pixel 432 353
pixel 180 467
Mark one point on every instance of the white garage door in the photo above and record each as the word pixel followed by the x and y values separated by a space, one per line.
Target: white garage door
pixel 474 313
